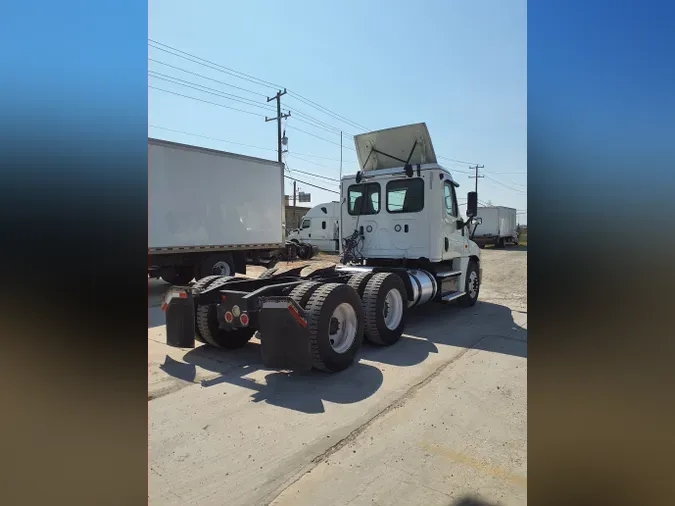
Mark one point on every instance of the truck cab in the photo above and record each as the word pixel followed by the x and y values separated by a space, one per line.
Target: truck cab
pixel 403 205
pixel 319 227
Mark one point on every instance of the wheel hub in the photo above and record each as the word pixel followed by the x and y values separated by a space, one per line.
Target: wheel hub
pixel 342 328
pixel 221 268
pixel 392 311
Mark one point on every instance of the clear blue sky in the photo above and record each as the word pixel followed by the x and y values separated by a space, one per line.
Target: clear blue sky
pixel 459 66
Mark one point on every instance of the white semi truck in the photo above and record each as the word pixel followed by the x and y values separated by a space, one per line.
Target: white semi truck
pixel 495 225
pixel 404 243
pixel 320 227
pixel 211 212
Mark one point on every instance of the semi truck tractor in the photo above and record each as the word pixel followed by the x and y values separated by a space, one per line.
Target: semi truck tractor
pixel 320 227
pixel 211 212
pixel 404 244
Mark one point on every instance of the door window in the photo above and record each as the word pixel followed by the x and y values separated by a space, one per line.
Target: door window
pixel 450 200
pixel 306 223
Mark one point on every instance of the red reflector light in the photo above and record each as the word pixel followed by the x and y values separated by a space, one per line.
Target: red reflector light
pixel 182 295
pixel 164 306
pixel 228 317
pixel 243 319
pixel 222 297
pixel 296 315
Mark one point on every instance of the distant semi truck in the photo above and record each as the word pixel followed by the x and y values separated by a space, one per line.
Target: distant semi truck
pixel 211 212
pixel 320 227
pixel 495 225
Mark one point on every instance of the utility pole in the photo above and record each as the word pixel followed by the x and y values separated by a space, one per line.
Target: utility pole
pixel 340 157
pixel 278 119
pixel 477 176
pixel 295 216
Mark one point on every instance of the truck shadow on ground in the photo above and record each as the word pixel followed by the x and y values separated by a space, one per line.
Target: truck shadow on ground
pixel 486 326
pixel 471 501
pixel 298 391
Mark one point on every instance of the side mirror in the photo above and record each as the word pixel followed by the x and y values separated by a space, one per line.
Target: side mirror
pixel 472 204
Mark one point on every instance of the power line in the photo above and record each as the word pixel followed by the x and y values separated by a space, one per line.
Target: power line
pixel 310 161
pixel 455 160
pixel 310 184
pixel 239 143
pixel 253 79
pixel 213 91
pixel 207 101
pixel 315 175
pixel 209 78
pixel 326 111
pixel 222 68
pixel 505 185
pixel 317 136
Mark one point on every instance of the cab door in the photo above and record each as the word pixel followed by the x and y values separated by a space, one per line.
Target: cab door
pixel 455 241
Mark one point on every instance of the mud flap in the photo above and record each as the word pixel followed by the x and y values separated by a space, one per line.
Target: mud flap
pixel 180 321
pixel 284 335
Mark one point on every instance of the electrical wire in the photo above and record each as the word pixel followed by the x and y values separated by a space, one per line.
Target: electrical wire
pixel 213 91
pixel 318 137
pixel 315 175
pixel 207 101
pixel 310 184
pixel 222 68
pixel 241 143
pixel 505 185
pixel 209 78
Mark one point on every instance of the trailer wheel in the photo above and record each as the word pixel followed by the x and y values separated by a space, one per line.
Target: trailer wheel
pixel 335 324
pixel 359 281
pixel 207 323
pixel 221 264
pixel 385 307
pixel 303 292
pixel 200 285
pixel 471 286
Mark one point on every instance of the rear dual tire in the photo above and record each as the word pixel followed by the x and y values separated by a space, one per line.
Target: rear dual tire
pixel 335 323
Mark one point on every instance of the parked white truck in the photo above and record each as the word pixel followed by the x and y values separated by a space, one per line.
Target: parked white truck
pixel 211 211
pixel 320 227
pixel 495 225
pixel 404 244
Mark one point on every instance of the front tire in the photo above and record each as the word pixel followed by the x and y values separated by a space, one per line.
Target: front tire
pixel 385 308
pixel 335 324
pixel 471 286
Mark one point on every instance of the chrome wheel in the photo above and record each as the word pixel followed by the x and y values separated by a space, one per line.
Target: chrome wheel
pixel 393 309
pixel 473 285
pixel 221 268
pixel 343 327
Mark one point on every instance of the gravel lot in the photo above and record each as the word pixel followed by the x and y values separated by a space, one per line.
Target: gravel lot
pixel 438 418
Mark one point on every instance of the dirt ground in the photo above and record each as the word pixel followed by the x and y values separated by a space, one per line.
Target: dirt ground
pixel 438 418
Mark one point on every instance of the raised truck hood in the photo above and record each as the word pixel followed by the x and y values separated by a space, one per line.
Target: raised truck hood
pixel 397 143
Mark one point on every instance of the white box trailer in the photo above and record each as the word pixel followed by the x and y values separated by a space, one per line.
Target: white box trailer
pixel 496 225
pixel 210 211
